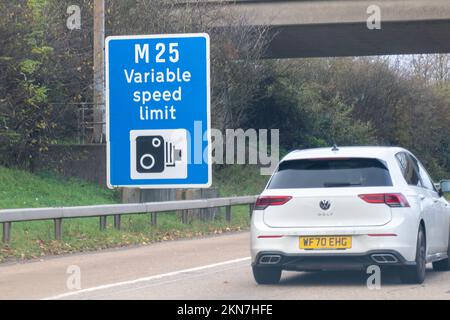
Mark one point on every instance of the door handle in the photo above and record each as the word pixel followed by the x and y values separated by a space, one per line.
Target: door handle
pixel 422 197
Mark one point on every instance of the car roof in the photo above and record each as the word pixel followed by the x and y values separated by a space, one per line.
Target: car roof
pixel 356 152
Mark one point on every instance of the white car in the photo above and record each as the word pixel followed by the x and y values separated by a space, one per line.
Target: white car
pixel 350 208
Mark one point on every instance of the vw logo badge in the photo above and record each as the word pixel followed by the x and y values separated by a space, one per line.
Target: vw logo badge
pixel 325 204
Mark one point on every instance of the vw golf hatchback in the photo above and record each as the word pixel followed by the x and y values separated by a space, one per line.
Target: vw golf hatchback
pixel 349 208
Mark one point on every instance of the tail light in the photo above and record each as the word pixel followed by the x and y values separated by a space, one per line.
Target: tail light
pixel 395 200
pixel 266 201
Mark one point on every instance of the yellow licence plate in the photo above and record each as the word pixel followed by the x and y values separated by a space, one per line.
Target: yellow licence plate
pixel 333 242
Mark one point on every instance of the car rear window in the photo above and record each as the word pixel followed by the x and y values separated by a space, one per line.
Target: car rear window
pixel 331 173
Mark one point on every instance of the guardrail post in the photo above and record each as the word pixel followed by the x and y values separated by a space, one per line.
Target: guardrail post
pixel 58 229
pixel 228 213
pixel 117 221
pixel 154 218
pixel 6 232
pixel 103 222
pixel 250 209
pixel 184 216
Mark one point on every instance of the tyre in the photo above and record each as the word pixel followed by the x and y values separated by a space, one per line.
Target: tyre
pixel 443 265
pixel 416 274
pixel 266 275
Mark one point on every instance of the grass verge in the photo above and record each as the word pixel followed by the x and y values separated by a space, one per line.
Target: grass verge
pixel 19 189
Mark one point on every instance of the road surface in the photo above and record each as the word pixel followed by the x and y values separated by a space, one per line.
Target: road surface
pixel 208 268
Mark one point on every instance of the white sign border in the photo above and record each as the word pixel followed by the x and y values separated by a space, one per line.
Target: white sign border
pixel 208 110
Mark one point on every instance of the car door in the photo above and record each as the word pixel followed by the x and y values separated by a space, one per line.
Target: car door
pixel 444 223
pixel 410 170
pixel 431 208
pixel 440 211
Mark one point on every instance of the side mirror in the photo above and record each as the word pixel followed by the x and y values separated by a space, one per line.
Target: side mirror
pixel 444 186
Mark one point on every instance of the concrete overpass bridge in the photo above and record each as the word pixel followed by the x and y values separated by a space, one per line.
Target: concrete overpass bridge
pixel 322 28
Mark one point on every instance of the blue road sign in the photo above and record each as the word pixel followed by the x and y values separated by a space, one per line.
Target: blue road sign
pixel 158 111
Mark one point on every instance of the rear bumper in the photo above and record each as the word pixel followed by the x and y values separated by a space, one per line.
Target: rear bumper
pixel 330 261
pixel 365 240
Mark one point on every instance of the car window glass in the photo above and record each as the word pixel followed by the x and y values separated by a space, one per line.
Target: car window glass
pixel 409 169
pixel 331 173
pixel 415 175
pixel 426 180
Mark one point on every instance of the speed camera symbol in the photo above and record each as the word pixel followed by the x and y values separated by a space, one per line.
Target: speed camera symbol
pixel 158 153
pixel 150 154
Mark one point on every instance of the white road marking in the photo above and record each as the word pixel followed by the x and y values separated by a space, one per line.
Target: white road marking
pixel 150 278
pixel 119 292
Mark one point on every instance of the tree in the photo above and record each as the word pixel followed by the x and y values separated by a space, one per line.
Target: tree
pixel 25 57
pixel 49 74
pixel 308 113
pixel 235 51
